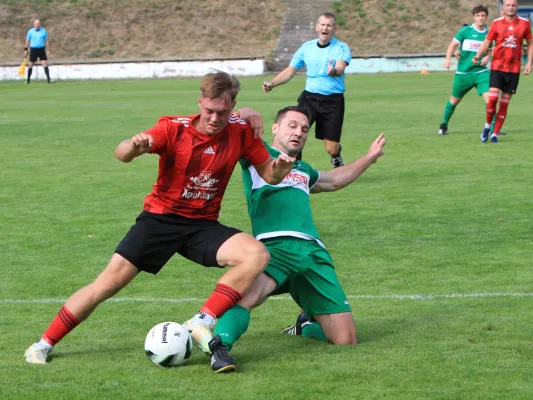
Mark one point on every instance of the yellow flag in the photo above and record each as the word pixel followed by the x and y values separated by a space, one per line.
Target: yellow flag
pixel 22 69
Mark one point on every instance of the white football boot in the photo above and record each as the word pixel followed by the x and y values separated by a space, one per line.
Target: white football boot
pixel 201 331
pixel 37 353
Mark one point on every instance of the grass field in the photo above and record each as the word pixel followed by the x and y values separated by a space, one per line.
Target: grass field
pixel 433 245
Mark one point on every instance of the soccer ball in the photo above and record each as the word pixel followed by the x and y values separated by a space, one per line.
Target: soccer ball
pixel 168 344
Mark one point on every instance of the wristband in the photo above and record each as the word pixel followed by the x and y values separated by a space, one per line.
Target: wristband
pixel 25 49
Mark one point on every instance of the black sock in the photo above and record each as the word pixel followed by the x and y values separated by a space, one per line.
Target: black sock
pixel 30 70
pixel 47 73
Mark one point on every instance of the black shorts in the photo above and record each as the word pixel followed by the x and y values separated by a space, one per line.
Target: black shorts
pixel 507 82
pixel 37 53
pixel 327 112
pixel 155 238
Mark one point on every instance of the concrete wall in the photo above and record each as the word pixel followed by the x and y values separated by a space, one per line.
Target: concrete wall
pixel 149 69
pixel 136 70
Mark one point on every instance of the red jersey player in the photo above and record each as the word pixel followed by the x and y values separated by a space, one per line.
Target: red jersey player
pixel 197 155
pixel 508 32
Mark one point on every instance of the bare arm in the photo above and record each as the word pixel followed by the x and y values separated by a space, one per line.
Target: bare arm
pixel 253 118
pixel 338 69
pixel 274 170
pixel 338 178
pixel 482 50
pixel 527 70
pixel 449 53
pixel 281 78
pixel 47 45
pixel 26 44
pixel 138 145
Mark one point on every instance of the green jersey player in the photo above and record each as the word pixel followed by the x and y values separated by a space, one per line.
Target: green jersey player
pixel 299 262
pixel 468 75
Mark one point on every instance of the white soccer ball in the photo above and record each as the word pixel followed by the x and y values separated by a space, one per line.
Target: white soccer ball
pixel 168 344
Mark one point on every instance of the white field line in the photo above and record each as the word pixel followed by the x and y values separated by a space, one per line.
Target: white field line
pixel 355 297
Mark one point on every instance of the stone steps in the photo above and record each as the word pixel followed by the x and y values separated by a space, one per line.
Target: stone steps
pixel 298 26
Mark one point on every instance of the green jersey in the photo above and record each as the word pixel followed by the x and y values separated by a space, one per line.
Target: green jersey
pixel 470 40
pixel 283 209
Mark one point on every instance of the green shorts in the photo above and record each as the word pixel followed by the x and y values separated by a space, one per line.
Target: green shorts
pixel 464 82
pixel 304 269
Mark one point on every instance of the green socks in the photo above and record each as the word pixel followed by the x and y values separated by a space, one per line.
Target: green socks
pixel 313 330
pixel 232 325
pixel 448 112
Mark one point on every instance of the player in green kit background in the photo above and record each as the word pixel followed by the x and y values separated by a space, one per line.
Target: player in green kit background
pixel 468 75
pixel 300 264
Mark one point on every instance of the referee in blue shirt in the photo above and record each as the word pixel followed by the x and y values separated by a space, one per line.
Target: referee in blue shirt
pixel 325 59
pixel 37 40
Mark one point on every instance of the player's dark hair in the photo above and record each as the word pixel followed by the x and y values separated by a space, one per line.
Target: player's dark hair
pixel 480 8
pixel 220 84
pixel 281 113
pixel 328 15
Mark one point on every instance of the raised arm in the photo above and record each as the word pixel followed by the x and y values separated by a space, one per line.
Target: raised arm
pixel 138 145
pixel 338 178
pixel 281 78
pixel 253 118
pixel 338 69
pixel 274 170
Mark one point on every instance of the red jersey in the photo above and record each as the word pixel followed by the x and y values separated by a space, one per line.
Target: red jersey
pixel 509 35
pixel 195 168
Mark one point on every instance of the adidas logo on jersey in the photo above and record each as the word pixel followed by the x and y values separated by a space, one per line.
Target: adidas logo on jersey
pixel 209 150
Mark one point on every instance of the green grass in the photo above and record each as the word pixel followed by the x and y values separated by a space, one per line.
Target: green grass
pixel 435 216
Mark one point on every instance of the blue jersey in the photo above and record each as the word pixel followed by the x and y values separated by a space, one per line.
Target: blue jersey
pixel 316 60
pixel 37 37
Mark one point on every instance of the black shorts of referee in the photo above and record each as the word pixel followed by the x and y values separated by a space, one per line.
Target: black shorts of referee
pixel 328 113
pixel 38 53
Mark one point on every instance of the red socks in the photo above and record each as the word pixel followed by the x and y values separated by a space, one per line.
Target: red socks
pixel 222 299
pixel 491 107
pixel 501 115
pixel 62 324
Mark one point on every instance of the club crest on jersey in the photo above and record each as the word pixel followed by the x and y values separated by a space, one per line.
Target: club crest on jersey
pixel 201 187
pixel 509 42
pixel 204 179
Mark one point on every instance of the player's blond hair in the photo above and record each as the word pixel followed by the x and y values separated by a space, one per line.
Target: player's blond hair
pixel 220 84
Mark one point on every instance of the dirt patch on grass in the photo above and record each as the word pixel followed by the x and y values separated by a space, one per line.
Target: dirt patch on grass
pixel 129 29
pixel 403 26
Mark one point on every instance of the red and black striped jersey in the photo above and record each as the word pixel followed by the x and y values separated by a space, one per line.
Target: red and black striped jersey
pixel 509 36
pixel 195 168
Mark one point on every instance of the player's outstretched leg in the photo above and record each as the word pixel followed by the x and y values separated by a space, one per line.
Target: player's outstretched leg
pixel 248 258
pixel 118 273
pixel 221 361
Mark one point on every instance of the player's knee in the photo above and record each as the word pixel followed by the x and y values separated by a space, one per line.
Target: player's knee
pixel 257 257
pixel 344 339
